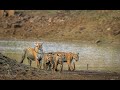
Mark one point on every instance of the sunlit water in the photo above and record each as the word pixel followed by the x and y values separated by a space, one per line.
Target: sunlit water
pixel 98 57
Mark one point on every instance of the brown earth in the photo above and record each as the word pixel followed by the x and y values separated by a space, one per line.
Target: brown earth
pixel 83 25
pixel 98 26
pixel 12 70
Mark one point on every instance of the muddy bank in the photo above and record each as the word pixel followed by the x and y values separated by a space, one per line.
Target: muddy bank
pixel 12 70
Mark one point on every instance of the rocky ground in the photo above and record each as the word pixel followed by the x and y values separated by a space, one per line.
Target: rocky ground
pixel 12 70
pixel 84 25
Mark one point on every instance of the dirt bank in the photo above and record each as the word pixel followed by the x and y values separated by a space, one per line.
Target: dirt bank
pixel 84 25
pixel 12 70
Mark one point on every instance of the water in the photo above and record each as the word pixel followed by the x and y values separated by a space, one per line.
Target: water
pixel 98 57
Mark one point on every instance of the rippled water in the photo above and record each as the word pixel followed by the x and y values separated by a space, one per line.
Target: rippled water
pixel 98 57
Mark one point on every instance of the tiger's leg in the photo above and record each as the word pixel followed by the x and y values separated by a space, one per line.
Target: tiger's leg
pixel 37 61
pixel 73 66
pixel 29 61
pixel 50 65
pixel 39 64
pixel 23 55
pixel 56 64
pixel 61 66
pixel 70 68
pixel 45 65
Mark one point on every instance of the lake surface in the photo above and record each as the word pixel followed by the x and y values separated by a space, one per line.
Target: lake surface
pixel 98 57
